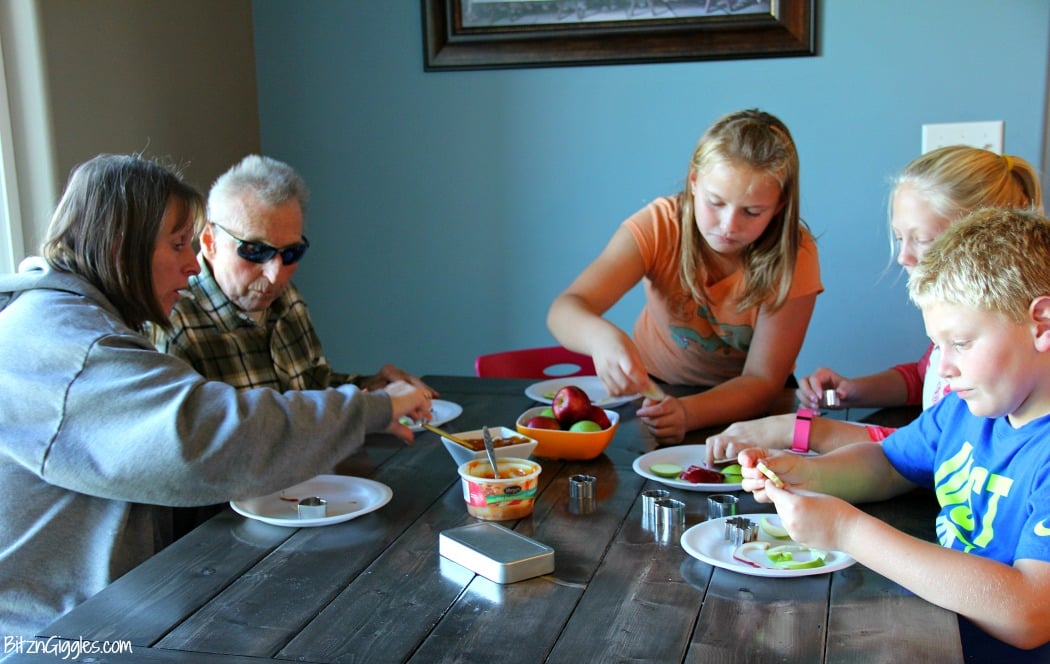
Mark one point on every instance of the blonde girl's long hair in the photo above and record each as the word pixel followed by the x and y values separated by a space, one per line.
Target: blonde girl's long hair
pixel 958 179
pixel 759 141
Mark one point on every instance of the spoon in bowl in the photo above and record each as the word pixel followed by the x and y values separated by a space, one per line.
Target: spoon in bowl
pixel 441 432
pixel 490 451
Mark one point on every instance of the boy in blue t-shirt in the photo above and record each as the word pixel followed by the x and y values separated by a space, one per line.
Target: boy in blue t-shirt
pixel 984 291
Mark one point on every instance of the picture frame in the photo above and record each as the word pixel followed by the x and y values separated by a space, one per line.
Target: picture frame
pixel 494 34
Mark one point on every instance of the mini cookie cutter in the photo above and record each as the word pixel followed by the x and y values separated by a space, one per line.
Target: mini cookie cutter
pixel 581 494
pixel 831 398
pixel 740 529
pixel 720 505
pixel 313 508
pixel 670 520
pixel 649 499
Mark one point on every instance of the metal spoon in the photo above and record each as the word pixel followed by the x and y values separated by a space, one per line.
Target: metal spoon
pixel 490 450
pixel 441 432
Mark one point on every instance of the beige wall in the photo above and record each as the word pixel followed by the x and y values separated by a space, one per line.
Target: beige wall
pixel 173 79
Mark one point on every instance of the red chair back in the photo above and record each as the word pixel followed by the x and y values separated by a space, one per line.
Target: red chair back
pixel 542 363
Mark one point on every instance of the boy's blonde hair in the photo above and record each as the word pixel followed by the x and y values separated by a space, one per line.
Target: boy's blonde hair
pixel 993 260
pixel 760 141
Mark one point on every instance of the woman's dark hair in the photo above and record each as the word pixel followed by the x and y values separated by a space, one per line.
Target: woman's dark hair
pixel 106 225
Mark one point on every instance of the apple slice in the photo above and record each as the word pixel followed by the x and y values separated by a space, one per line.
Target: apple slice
pixel 772 529
pixel 795 556
pixel 770 474
pixel 668 470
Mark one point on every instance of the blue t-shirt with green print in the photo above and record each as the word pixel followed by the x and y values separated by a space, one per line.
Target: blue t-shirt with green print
pixel 992 480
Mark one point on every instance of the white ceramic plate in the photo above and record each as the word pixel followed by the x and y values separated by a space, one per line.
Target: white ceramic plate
pixel 348 498
pixel 440 412
pixel 706 542
pixel 543 392
pixel 684 456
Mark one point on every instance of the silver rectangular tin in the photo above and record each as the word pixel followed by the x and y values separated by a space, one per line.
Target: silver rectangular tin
pixel 496 552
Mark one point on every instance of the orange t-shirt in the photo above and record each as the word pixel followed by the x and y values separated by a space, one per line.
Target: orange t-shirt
pixel 681 341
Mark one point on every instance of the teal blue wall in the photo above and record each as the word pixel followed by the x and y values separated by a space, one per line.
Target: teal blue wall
pixel 450 208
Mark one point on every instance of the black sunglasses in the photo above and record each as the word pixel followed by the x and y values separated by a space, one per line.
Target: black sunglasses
pixel 259 252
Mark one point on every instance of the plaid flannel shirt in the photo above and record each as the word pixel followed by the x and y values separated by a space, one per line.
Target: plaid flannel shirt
pixel 225 344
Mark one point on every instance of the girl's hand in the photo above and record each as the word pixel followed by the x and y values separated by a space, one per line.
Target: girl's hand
pixel 406 400
pixel 774 432
pixel 810 392
pixel 618 365
pixel 665 419
pixel 815 520
pixel 791 469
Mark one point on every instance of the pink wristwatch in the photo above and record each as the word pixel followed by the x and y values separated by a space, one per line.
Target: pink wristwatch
pixel 803 420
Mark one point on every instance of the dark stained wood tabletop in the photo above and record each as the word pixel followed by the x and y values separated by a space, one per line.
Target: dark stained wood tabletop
pixel 375 589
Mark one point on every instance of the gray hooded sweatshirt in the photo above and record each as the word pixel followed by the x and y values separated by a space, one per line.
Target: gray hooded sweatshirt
pixel 100 434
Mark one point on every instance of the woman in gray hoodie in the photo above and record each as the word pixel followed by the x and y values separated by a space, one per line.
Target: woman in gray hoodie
pixel 100 434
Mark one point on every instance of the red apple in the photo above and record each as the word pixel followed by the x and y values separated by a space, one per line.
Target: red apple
pixel 598 415
pixel 571 404
pixel 542 422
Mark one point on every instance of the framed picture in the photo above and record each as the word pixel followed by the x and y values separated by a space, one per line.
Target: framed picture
pixel 487 34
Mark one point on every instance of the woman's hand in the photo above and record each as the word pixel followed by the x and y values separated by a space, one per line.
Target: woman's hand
pixel 810 392
pixel 406 400
pixel 773 432
pixel 665 419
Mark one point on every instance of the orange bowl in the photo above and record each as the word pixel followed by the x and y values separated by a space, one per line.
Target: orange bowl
pixel 570 445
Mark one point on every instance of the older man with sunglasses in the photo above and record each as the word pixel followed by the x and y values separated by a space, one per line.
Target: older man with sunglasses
pixel 244 322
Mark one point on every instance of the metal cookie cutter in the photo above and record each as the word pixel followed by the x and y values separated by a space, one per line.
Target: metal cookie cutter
pixel 720 505
pixel 670 520
pixel 581 494
pixel 831 398
pixel 740 530
pixel 649 500
pixel 313 508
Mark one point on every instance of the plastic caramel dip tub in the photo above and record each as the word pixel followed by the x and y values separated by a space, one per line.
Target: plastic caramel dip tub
pixel 510 496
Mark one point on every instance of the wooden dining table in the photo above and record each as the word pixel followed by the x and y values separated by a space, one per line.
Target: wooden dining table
pixel 376 589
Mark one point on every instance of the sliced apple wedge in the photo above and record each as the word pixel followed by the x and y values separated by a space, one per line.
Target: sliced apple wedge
pixel 772 529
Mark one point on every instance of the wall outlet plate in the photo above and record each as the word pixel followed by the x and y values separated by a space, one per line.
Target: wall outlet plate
pixel 987 135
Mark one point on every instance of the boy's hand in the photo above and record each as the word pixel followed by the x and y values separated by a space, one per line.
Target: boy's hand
pixel 789 468
pixel 815 520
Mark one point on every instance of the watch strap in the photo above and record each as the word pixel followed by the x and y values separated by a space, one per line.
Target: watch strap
pixel 803 422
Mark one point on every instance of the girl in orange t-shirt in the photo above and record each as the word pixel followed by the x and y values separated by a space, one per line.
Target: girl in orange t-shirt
pixel 730 275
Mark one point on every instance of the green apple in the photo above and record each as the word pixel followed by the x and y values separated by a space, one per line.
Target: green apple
pixel 772 529
pixel 666 470
pixel 733 474
pixel 547 412
pixel 585 426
